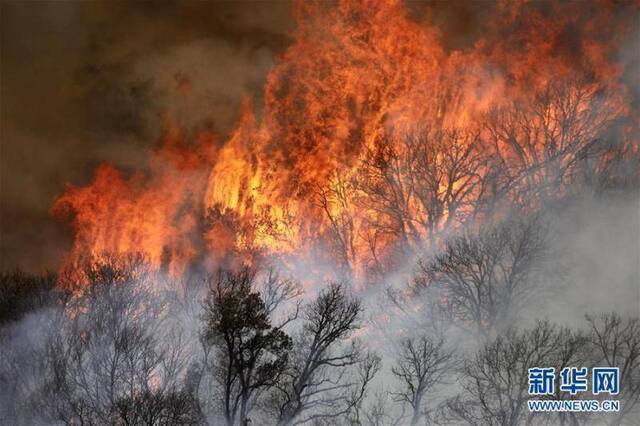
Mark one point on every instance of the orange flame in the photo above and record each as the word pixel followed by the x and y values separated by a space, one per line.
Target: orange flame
pixel 373 138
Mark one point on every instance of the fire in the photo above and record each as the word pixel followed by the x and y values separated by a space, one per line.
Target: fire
pixel 373 139
pixel 156 214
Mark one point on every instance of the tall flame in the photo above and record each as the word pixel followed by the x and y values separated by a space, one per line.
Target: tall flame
pixel 373 138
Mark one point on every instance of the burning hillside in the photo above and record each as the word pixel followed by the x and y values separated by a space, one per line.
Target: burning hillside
pixel 373 139
pixel 357 212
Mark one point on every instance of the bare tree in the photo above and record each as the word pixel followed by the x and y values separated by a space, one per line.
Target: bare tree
pixel 570 350
pixel 484 278
pixel 614 341
pixel 276 292
pixel 328 377
pixel 110 360
pixel 178 407
pixel 421 364
pixel 539 143
pixel 337 204
pixel 417 183
pixel 495 379
pixel 21 292
pixel 251 354
pixel 378 413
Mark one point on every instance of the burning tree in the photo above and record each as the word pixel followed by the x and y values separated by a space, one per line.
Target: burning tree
pixel 380 139
pixel 376 142
pixel 542 143
pixel 418 184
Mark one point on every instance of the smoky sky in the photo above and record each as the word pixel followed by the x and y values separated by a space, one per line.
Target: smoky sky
pixel 91 82
pixel 83 83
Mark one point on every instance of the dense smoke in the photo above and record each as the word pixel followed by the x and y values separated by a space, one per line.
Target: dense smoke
pixel 362 212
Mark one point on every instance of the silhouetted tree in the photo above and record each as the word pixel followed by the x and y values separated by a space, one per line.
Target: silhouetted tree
pixel 539 144
pixel 179 407
pixel 21 292
pixel 483 279
pixel 111 360
pixel 417 183
pixel 337 204
pixel 328 376
pixel 251 354
pixel 495 380
pixel 614 341
pixel 421 364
